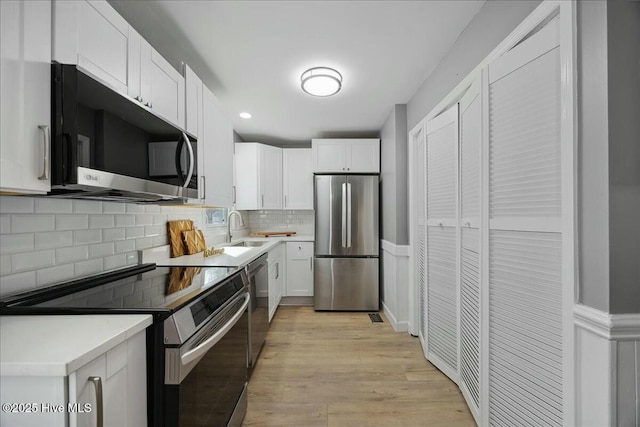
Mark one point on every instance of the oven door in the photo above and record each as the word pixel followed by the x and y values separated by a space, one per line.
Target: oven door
pixel 206 377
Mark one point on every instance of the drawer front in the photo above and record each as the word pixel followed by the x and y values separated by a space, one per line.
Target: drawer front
pixel 299 250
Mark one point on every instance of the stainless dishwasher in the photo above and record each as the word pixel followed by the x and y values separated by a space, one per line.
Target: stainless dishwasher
pixel 258 277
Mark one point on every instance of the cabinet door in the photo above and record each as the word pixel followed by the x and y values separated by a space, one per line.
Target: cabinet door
pixel 524 265
pixel 25 84
pixel 297 178
pixel 94 36
pixel 299 281
pixel 329 155
pixel 167 90
pixel 276 272
pixel 442 222
pixel 217 145
pixel 363 155
pixel 122 373
pixel 270 177
pixel 194 123
pixel 470 178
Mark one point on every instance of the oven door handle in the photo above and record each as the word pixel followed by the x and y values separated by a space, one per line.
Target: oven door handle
pixel 200 350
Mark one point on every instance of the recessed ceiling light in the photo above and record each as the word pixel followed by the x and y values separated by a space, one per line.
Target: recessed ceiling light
pixel 245 115
pixel 321 81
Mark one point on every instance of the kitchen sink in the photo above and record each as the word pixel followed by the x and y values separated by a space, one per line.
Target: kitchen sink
pixel 249 244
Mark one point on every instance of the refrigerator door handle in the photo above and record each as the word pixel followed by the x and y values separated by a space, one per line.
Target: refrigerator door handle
pixel 349 215
pixel 344 215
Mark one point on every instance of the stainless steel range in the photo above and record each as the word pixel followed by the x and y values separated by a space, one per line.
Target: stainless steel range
pixel 197 346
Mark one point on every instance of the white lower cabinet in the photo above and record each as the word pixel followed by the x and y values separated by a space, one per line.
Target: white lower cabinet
pixel 299 269
pixel 73 400
pixel 277 277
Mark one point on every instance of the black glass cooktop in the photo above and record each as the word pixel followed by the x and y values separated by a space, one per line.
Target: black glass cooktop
pixel 143 288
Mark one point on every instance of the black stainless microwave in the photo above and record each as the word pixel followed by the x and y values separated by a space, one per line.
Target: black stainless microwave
pixel 107 146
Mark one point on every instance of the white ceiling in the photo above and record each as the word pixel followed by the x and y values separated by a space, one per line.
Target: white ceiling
pixel 251 55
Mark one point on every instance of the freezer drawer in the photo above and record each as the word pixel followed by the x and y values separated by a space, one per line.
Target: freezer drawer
pixel 346 284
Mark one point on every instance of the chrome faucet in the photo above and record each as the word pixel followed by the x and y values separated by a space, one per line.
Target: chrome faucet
pixel 231 212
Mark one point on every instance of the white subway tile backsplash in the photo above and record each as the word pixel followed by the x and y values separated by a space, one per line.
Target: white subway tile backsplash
pixel 86 237
pixel 115 261
pixel 5 224
pixel 5 265
pixel 152 209
pixel 72 254
pixel 72 222
pixel 131 208
pixel 101 250
pixel 85 268
pixel 113 234
pixel 160 240
pixel 32 260
pixel 44 205
pixel 132 258
pixel 144 219
pixel 160 219
pixel 134 232
pixel 16 204
pixel 54 239
pixel 32 223
pixel 125 220
pixel 101 221
pixel 125 246
pixel 113 208
pixel 154 230
pixel 144 243
pixel 87 206
pixel 16 243
pixel 56 274
pixel 18 283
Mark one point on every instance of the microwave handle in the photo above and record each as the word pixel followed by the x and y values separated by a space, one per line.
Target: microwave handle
pixel 192 160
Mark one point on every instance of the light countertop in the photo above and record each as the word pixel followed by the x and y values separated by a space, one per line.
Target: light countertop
pixel 233 256
pixel 59 345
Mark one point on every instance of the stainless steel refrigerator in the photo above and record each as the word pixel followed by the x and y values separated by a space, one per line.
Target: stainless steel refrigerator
pixel 346 273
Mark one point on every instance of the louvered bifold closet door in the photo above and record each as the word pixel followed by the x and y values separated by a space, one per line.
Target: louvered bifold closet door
pixel 470 177
pixel 525 259
pixel 442 223
pixel 420 247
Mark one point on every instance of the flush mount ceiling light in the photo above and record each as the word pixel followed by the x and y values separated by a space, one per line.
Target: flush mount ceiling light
pixel 321 81
pixel 245 115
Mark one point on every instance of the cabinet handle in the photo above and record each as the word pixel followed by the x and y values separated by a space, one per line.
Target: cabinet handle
pixel 234 194
pixel 277 270
pixel 46 133
pixel 348 169
pixel 97 382
pixel 204 187
pixel 262 200
pixel 285 201
pixel 310 263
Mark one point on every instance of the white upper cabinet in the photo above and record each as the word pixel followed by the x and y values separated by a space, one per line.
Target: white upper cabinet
pixel 94 36
pixel 194 123
pixel 346 155
pixel 154 82
pixel 258 175
pixel 297 178
pixel 217 151
pixel 25 76
pixel 270 182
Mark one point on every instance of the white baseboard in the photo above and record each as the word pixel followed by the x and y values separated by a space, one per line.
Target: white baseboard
pixel 397 326
pixel 607 367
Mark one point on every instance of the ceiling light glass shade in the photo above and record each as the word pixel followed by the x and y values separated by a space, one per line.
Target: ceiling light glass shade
pixel 321 81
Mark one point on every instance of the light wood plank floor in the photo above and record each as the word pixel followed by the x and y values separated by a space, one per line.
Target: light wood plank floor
pixel 339 369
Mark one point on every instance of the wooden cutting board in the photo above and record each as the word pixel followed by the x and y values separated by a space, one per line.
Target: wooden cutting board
pixel 272 233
